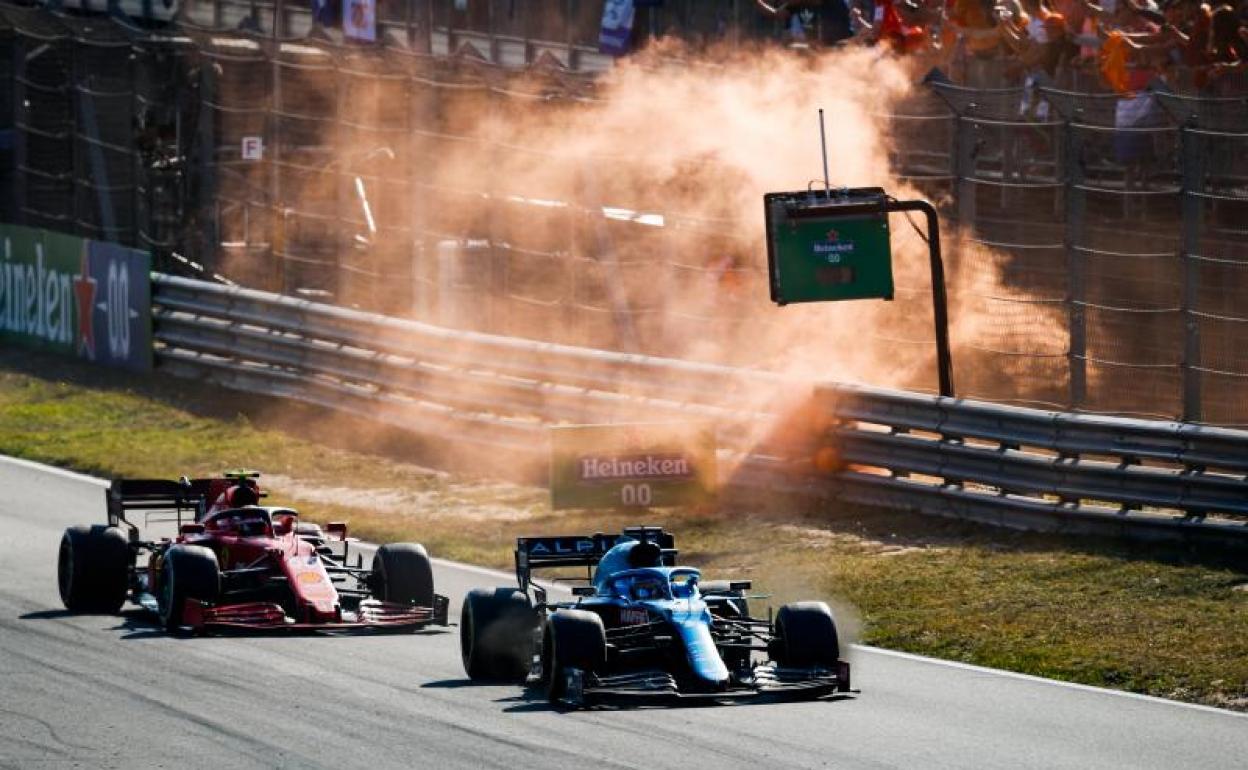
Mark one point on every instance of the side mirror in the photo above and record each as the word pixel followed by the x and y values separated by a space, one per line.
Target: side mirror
pixel 740 585
pixel 583 590
pixel 338 528
pixel 283 525
pixel 191 528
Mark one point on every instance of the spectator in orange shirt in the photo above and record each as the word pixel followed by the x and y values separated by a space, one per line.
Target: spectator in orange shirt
pixel 889 27
pixel 976 26
pixel 1036 34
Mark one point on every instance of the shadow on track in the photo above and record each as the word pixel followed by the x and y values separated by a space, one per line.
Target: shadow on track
pixel 530 700
pixel 49 615
pixel 455 684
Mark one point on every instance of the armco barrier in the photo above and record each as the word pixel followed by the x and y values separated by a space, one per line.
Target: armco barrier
pixel 1013 467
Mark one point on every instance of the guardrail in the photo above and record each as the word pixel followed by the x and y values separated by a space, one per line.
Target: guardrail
pixel 1013 467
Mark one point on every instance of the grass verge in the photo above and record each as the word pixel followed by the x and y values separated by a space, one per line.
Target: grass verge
pixel 1157 622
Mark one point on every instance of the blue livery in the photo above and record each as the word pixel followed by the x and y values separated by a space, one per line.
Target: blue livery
pixel 642 627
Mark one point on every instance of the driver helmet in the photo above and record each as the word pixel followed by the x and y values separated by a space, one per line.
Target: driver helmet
pixel 241 495
pixel 647 587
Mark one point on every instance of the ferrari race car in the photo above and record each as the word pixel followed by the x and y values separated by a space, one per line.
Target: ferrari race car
pixel 237 565
pixel 643 628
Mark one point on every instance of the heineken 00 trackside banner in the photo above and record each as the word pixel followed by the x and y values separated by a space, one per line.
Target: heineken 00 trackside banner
pixel 83 298
pixel 626 466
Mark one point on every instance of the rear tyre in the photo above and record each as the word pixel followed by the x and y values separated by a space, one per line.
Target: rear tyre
pixel 572 639
pixel 93 569
pixel 496 634
pixel 186 572
pixel 402 573
pixel 806 636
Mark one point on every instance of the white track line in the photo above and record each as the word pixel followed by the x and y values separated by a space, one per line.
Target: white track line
pixel 501 575
pixel 55 471
pixel 497 574
pixel 1042 680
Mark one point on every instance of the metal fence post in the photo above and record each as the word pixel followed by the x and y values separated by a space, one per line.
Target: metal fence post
pixel 20 161
pixel 964 189
pixel 279 20
pixel 420 254
pixel 1192 148
pixel 409 16
pixel 1076 285
pixel 278 240
pixel 569 34
pixel 74 96
pixel 136 159
pixel 206 142
pixel 8 112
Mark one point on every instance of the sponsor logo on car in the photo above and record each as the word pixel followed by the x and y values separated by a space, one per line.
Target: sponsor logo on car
pixel 561 546
pixel 632 616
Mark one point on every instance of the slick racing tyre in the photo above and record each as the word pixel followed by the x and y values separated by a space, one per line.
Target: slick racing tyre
pixel 93 569
pixel 806 636
pixel 496 634
pixel 186 572
pixel 402 573
pixel 572 639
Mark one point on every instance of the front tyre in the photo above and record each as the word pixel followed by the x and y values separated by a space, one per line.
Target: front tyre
pixel 93 569
pixel 186 572
pixel 402 573
pixel 805 636
pixel 496 634
pixel 571 639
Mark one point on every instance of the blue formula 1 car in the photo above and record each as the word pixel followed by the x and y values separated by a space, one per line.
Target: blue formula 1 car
pixel 643 628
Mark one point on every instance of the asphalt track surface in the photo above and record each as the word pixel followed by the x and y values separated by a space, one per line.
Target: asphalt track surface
pixel 99 691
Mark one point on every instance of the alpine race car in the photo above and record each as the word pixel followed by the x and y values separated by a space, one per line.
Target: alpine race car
pixel 643 628
pixel 238 565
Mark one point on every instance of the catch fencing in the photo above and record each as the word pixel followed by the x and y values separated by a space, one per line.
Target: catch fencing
pixel 90 129
pixel 1114 225
pixel 1012 467
pixel 1119 219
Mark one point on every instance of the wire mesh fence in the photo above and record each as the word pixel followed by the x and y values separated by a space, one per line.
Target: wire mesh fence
pixel 1116 214
pixel 243 143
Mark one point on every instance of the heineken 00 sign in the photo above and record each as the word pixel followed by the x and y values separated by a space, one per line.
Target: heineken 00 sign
pixel 631 466
pixel 831 245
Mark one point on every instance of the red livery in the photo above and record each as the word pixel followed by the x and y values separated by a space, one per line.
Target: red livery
pixel 238 565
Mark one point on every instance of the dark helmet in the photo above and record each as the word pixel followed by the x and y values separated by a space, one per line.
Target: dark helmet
pixel 240 495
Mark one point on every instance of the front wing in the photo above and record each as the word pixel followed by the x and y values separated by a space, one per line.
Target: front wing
pixel 269 616
pixel 768 681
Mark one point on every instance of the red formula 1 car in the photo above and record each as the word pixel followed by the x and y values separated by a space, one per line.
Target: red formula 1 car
pixel 238 565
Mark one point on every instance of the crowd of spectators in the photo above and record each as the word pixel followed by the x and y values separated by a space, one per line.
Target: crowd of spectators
pixel 1190 46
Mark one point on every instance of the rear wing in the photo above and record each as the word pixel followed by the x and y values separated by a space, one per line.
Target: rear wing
pixel 583 550
pixel 176 497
